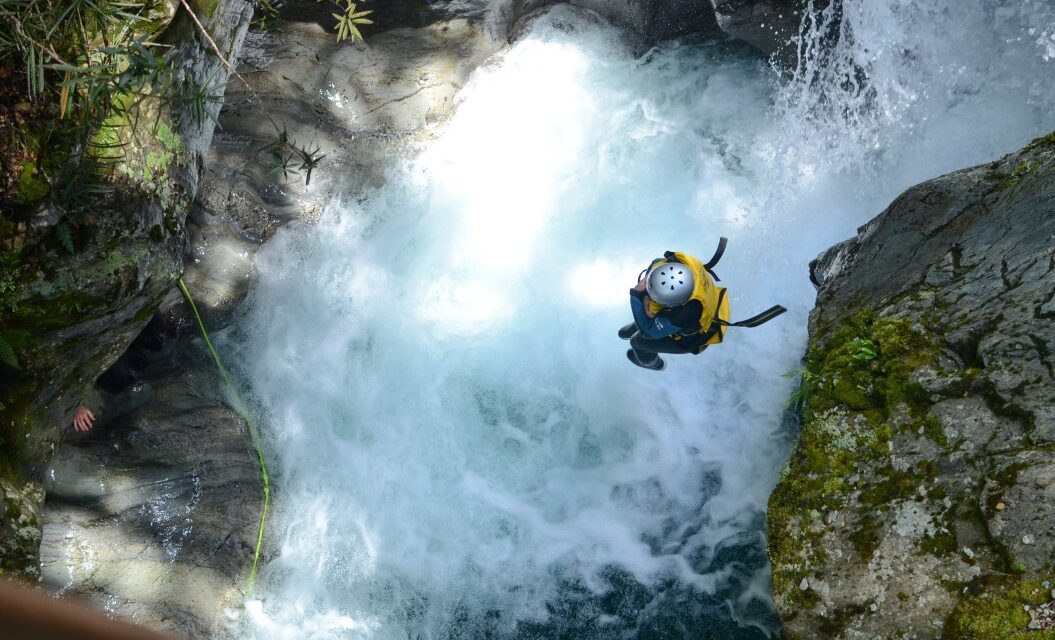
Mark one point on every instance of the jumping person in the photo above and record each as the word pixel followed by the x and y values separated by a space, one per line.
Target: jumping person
pixel 678 309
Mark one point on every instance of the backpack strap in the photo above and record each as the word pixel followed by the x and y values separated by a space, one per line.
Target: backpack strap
pixel 755 321
pixel 717 327
pixel 709 265
pixel 719 324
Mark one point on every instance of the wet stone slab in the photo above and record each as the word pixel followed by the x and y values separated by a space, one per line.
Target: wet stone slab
pixel 153 514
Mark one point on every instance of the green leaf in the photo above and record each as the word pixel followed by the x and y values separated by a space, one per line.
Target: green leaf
pixel 7 352
pixel 347 21
pixel 65 236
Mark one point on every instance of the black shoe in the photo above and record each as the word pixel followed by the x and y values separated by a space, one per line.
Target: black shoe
pixel 655 365
pixel 628 331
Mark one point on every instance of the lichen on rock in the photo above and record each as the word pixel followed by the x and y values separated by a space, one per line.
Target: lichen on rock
pixel 918 500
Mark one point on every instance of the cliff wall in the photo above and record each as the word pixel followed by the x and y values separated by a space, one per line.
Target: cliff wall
pixel 920 499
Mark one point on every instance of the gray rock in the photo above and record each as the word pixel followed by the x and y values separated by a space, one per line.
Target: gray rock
pixel 358 104
pixel 968 259
pixel 647 22
pixel 144 521
pixel 1025 483
pixel 1000 240
pixel 20 529
pixel 970 423
pixel 771 26
pixel 83 310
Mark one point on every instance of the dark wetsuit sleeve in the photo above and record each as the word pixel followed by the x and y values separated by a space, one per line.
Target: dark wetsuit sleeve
pixel 687 315
pixel 659 327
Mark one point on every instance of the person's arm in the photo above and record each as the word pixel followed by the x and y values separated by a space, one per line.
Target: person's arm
pixel 655 327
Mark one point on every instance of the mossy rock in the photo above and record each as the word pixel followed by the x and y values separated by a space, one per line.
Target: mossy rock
pixel 994 608
pixel 857 379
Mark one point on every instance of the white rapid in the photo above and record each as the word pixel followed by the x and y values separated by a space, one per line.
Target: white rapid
pixel 462 448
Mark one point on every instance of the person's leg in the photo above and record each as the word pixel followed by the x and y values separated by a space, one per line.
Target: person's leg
pixel 628 331
pixel 644 352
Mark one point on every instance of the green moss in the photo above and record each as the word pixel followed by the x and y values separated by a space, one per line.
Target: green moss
pixel 155 166
pixel 32 187
pixel 47 148
pixel 1008 181
pixel 1008 476
pixel 940 544
pixel 139 141
pixel 38 304
pixel 169 138
pixel 1004 478
pixel 1041 142
pixel 108 142
pixel 835 622
pixel 993 609
pixel 865 538
pixel 205 8
pixel 932 429
pixel 943 541
pixel 145 313
pixel 860 376
pixel 14 510
pixel 892 485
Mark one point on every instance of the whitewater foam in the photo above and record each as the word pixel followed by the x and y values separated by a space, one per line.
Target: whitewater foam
pixel 462 447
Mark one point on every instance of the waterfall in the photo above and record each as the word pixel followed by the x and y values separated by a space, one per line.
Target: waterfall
pixel 463 449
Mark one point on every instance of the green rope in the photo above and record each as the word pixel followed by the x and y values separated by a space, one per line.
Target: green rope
pixel 253 435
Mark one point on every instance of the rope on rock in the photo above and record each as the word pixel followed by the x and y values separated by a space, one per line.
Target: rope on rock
pixel 254 435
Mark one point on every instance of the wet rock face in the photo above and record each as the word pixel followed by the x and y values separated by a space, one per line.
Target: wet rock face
pixel 648 22
pixel 358 105
pixel 20 529
pixel 81 311
pixel 153 514
pixel 768 25
pixel 919 499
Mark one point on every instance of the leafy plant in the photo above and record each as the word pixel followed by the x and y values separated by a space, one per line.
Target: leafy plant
pixel 349 19
pixel 65 236
pixel 282 164
pixel 266 14
pixel 308 161
pixel 79 186
pixel 9 342
pixel 199 97
pixel 47 33
pixel 87 65
pixel 862 349
pixel 808 381
pixel 285 154
pixel 7 354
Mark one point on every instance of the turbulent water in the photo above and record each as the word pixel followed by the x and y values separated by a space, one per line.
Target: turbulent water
pixel 462 448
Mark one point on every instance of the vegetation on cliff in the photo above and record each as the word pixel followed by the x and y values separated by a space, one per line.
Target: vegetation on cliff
pixel 915 500
pixel 862 369
pixel 95 102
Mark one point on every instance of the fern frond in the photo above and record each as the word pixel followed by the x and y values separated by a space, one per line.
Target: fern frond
pixel 65 236
pixel 7 353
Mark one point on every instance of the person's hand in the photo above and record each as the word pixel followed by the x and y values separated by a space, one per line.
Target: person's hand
pixel 641 282
pixel 648 312
pixel 82 420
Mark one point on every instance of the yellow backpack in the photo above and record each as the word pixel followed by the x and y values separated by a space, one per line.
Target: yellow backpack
pixel 715 316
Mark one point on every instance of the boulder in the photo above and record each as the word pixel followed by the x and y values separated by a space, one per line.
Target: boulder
pixel 922 478
pixel 771 26
pixel 153 514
